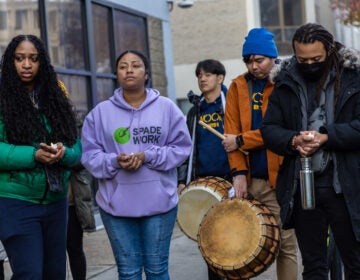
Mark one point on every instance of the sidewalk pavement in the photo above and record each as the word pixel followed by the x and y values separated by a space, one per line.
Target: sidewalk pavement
pixel 186 261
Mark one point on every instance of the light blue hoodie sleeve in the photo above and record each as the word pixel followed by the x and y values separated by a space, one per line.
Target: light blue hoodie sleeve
pixel 100 164
pixel 178 145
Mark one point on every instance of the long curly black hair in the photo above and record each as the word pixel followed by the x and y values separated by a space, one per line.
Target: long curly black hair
pixel 25 124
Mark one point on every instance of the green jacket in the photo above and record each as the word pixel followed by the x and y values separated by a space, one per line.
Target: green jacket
pixel 21 177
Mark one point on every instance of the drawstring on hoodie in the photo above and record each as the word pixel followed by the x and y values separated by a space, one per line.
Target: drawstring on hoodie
pixel 131 119
pixel 223 100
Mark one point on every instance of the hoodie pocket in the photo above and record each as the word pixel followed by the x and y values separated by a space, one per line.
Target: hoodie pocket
pixel 140 199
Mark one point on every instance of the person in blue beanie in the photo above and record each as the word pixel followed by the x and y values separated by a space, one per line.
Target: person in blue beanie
pixel 261 42
pixel 256 172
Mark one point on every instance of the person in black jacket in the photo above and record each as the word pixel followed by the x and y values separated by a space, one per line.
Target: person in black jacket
pixel 209 157
pixel 80 216
pixel 81 219
pixel 314 111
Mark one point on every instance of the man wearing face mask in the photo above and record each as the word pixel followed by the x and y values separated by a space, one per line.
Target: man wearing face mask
pixel 314 111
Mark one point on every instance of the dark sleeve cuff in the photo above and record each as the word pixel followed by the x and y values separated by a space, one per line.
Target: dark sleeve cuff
pixel 323 130
pixel 241 172
pixel 290 143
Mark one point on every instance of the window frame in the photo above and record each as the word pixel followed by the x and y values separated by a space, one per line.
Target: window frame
pixel 284 45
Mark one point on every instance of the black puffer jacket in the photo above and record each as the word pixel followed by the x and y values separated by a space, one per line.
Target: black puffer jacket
pixel 80 181
pixel 283 120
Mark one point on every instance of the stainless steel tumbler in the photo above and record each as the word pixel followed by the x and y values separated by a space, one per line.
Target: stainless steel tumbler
pixel 307 184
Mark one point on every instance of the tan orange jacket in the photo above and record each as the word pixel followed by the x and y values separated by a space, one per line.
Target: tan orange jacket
pixel 238 121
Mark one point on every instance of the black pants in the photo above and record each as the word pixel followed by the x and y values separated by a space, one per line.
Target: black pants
pixel 2 274
pixel 311 227
pixel 75 250
pixel 334 259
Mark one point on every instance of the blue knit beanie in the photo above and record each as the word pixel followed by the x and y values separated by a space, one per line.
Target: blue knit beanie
pixel 259 41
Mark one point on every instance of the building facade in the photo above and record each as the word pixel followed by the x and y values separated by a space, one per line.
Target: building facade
pixel 216 29
pixel 84 38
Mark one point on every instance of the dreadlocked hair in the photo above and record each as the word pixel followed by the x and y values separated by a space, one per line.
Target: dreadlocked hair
pixel 308 34
pixel 24 124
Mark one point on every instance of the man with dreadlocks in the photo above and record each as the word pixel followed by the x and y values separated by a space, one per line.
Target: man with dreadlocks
pixel 314 111
pixel 38 145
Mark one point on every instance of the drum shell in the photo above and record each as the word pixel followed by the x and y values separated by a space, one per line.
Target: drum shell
pixel 239 238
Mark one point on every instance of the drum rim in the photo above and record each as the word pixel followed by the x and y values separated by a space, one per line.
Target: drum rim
pixel 207 189
pixel 204 184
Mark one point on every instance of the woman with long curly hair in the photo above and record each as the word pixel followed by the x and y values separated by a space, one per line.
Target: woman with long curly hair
pixel 38 145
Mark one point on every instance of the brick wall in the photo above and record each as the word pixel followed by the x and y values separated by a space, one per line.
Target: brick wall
pixel 209 29
pixel 157 58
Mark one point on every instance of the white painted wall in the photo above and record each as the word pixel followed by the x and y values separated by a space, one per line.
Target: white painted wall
pixel 183 85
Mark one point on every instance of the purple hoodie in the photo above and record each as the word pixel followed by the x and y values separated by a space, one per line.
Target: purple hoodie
pixel 158 129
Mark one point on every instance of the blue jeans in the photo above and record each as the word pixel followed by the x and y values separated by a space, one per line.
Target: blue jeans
pixel 34 237
pixel 139 243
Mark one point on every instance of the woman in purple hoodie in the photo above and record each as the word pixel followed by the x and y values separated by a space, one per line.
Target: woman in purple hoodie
pixel 133 144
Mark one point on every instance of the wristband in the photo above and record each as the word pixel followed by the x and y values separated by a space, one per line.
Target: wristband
pixel 239 140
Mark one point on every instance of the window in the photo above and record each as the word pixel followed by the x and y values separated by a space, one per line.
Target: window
pixel 55 55
pixel 53 23
pixel 36 19
pixel 66 34
pixel 16 17
pixel 184 105
pixel 130 32
pixel 105 89
pixel 282 17
pixel 78 89
pixel 20 19
pixel 3 20
pixel 101 16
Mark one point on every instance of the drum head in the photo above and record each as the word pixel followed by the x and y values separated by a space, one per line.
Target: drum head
pixel 229 233
pixel 193 205
pixel 239 238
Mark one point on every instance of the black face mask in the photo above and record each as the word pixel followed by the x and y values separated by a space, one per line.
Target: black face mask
pixel 312 71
